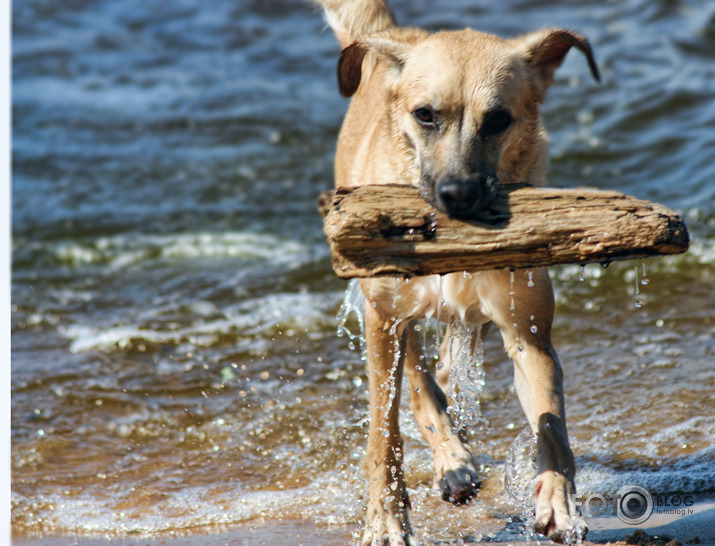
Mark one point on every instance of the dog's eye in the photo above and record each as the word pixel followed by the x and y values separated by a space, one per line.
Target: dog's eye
pixel 424 116
pixel 496 123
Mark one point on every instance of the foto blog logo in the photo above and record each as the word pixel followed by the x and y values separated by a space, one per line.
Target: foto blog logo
pixel 632 504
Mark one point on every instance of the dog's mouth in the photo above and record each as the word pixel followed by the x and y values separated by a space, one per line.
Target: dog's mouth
pixel 464 198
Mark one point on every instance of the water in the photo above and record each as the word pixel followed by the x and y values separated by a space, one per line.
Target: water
pixel 175 368
pixel 466 374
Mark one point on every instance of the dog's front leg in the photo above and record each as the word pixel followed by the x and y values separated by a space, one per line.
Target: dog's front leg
pixel 455 469
pixel 387 511
pixel 539 383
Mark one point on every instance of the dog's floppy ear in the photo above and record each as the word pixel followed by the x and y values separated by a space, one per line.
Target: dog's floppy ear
pixel 351 58
pixel 546 50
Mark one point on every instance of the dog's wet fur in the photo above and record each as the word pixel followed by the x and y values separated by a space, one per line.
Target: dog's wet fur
pixel 455 114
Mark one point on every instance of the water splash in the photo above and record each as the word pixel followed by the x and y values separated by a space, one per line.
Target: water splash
pixel 395 295
pixel 392 380
pixel 465 354
pixel 354 303
pixel 512 305
pixel 440 303
pixel 466 374
pixel 520 472
pixel 520 478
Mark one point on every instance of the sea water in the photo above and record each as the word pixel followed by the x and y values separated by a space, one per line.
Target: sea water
pixel 175 368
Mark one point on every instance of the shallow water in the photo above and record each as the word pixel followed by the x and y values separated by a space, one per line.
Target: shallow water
pixel 175 364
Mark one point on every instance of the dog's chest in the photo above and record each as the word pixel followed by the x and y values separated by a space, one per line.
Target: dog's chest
pixel 459 295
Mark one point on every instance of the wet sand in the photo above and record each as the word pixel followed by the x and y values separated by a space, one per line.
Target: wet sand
pixel 603 530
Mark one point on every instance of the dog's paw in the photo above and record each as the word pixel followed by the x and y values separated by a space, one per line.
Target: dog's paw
pixel 387 527
pixel 556 514
pixel 461 484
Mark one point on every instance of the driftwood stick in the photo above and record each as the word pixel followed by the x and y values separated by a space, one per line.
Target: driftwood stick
pixel 390 230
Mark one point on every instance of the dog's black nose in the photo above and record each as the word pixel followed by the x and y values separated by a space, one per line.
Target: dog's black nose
pixel 462 197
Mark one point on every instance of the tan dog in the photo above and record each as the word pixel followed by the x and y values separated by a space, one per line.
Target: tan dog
pixel 454 114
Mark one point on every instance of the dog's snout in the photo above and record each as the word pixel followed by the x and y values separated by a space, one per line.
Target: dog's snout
pixel 464 198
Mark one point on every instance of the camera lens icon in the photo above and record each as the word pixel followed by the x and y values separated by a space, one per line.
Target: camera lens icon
pixel 634 504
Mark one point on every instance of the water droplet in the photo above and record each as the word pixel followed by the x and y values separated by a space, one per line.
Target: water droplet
pixel 638 304
pixel 659 323
pixel 582 275
pixel 533 329
pixel 530 278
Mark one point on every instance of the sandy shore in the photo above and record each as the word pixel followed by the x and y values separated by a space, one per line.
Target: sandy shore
pixel 686 529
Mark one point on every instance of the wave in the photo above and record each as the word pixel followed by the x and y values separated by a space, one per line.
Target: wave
pixel 121 251
pixel 252 317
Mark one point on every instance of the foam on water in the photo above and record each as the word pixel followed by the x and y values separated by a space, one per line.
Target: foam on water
pixel 250 318
pixel 695 475
pixel 189 509
pixel 120 251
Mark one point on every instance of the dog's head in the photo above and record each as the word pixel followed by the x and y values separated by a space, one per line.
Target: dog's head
pixel 464 107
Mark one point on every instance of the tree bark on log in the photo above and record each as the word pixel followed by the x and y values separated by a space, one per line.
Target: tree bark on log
pixel 390 230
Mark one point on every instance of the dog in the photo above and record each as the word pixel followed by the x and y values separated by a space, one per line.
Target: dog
pixel 455 114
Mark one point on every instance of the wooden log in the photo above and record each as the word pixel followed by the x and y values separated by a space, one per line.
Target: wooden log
pixel 390 230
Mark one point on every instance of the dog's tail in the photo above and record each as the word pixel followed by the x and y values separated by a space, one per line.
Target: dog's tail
pixel 353 18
